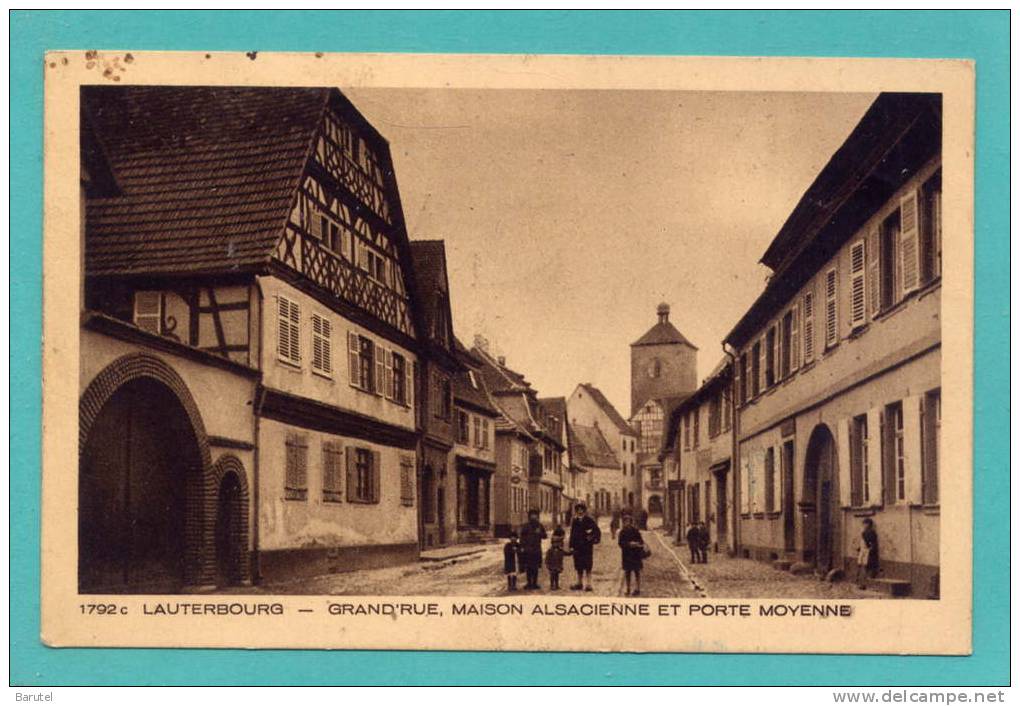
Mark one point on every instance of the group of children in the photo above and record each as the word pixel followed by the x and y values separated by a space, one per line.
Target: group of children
pixel 522 553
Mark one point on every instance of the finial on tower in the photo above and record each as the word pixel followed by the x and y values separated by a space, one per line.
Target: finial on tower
pixel 663 311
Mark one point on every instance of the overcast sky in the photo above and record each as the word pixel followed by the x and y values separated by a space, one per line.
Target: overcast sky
pixel 569 215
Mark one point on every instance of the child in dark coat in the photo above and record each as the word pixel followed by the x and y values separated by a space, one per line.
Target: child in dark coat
pixel 632 548
pixel 511 555
pixel 554 558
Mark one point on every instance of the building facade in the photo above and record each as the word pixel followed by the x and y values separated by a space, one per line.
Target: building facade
pixel 588 406
pixel 591 451
pixel 837 363
pixel 248 319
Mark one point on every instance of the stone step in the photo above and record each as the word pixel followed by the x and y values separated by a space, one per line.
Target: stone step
pixel 452 552
pixel 782 564
pixel 894 587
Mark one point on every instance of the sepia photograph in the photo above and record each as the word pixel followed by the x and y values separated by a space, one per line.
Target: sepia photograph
pixel 496 345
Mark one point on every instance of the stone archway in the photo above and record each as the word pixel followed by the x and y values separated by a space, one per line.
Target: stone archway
pixel 819 500
pixel 233 558
pixel 146 491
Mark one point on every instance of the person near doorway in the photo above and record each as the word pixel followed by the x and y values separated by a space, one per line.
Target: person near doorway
pixel 632 550
pixel 584 535
pixel 693 537
pixel 643 519
pixel 614 523
pixel 703 542
pixel 532 534
pixel 867 554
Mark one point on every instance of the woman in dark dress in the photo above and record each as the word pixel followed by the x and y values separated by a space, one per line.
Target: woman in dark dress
pixel 632 548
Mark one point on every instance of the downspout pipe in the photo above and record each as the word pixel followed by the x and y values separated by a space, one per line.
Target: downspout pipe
pixel 735 451
pixel 260 395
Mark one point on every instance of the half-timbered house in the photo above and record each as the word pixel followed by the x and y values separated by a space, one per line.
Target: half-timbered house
pixel 248 340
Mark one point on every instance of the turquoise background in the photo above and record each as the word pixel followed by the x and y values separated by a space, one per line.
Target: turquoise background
pixel 979 35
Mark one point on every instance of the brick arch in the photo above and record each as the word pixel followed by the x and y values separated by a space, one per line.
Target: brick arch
pixel 201 486
pixel 225 466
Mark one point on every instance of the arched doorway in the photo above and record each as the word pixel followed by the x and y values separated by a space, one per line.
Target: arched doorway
pixel 143 461
pixel 232 558
pixel 818 502
pixel 655 505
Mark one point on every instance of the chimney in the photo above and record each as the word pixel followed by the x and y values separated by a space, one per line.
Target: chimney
pixel 663 311
pixel 481 343
pixel 501 360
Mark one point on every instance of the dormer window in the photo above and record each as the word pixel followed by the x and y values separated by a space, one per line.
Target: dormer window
pixel 148 313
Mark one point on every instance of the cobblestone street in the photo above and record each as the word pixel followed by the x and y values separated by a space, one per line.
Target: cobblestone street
pixel 667 574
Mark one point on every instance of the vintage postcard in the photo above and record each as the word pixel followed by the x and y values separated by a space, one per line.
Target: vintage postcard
pixel 555 353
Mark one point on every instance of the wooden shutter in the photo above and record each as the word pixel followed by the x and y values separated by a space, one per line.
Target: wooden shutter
pixel 858 294
pixel 321 344
pixel 387 358
pixel 352 473
pixel 809 326
pixel 831 308
pixel 777 478
pixel 762 359
pixel 936 215
pixel 407 480
pixel 332 471
pixel 737 380
pixel 910 252
pixel 874 276
pixel 296 474
pixel 283 327
pixel 353 359
pixel 912 452
pixel 795 338
pixel 376 476
pixel 875 457
pixel 745 486
pixel 409 391
pixel 843 461
pixel 380 369
pixel 149 311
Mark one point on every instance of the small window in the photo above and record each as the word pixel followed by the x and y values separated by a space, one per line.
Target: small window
pixel 860 492
pixel 755 369
pixel 322 346
pixel 931 228
pixel 148 314
pixel 332 472
pixel 463 428
pixel 770 357
pixel 363 472
pixel 288 326
pixel 890 267
pixel 931 437
pixel 296 480
pixel 786 346
pixel 893 454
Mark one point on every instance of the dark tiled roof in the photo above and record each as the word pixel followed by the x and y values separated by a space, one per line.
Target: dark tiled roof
pixel 588 447
pixel 662 333
pixel 615 417
pixel 431 285
pixel 556 414
pixel 477 397
pixel 207 175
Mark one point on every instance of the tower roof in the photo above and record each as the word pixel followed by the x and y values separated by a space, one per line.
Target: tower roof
pixel 663 333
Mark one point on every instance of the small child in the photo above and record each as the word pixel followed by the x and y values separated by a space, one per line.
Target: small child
pixel 632 548
pixel 511 555
pixel 554 558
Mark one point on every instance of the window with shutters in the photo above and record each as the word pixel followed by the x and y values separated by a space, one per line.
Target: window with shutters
pixel 770 357
pixel 148 311
pixel 696 433
pixel 288 326
pixel 332 472
pixel 931 228
pixel 889 262
pixel 756 369
pixel 401 380
pixel 322 347
pixel 296 472
pixel 714 416
pixel 859 491
pixel 407 480
pixel 808 307
pixel 858 291
pixel 786 342
pixel 362 355
pixel 478 433
pixel 831 308
pixel 463 428
pixel 893 454
pixel 362 475
pixel 485 434
pixel 770 479
pixel 931 437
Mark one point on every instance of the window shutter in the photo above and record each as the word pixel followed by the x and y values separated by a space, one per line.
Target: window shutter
pixel 409 382
pixel 353 359
pixel 795 338
pixel 321 334
pixel 376 476
pixel 843 461
pixel 936 213
pixel 327 344
pixel 762 358
pixel 389 374
pixel 875 456
pixel 777 352
pixel 314 222
pixel 888 460
pixel 149 311
pixel 858 305
pixel 380 370
pixel 912 448
pixel 874 277
pixel 352 473
pixel 777 478
pixel 745 477
pixel 909 250
pixel 737 380
pixel 831 309
pixel 332 471
pixel 283 327
pixel 809 327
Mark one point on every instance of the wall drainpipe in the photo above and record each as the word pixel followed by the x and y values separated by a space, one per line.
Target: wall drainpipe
pixel 256 559
pixel 734 453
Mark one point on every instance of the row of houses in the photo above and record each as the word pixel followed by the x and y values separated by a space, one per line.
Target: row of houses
pixel 826 407
pixel 270 382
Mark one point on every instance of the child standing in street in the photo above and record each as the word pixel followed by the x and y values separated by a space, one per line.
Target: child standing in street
pixel 632 548
pixel 554 558
pixel 511 555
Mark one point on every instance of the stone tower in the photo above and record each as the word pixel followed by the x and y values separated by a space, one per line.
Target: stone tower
pixel 662 363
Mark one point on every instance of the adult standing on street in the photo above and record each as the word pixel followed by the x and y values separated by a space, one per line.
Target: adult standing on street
pixel 532 534
pixel 867 555
pixel 584 535
pixel 694 542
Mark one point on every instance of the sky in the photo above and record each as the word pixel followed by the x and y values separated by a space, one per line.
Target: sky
pixel 569 215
